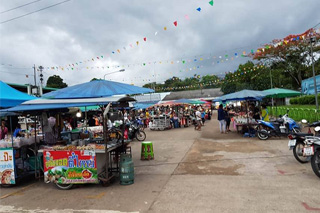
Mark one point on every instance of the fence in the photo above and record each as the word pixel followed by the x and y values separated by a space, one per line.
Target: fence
pixel 297 114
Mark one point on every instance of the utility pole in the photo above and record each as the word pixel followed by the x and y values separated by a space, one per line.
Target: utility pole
pixel 313 39
pixel 34 75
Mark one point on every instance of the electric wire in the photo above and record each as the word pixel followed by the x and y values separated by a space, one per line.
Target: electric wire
pixel 19 6
pixel 34 12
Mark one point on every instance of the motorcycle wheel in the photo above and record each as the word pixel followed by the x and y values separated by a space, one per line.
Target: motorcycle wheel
pixel 141 135
pixel 298 153
pixel 64 186
pixel 315 163
pixel 262 136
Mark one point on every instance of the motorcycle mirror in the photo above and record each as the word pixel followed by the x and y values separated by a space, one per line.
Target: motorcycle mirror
pixel 304 121
pixel 317 129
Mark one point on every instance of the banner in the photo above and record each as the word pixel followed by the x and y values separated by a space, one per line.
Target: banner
pixel 307 85
pixel 70 167
pixel 7 175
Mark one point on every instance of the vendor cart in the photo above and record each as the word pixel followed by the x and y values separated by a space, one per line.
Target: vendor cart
pixel 161 122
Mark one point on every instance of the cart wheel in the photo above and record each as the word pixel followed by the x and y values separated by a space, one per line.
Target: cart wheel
pixel 64 186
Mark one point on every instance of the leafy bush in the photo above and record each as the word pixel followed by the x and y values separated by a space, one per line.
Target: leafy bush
pixel 304 100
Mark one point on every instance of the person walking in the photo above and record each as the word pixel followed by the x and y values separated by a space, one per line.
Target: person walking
pixel 221 119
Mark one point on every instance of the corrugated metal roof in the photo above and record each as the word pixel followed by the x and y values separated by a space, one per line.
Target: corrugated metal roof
pixel 207 94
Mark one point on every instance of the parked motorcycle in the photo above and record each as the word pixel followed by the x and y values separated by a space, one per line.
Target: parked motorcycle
pixel 312 148
pixel 297 143
pixel 134 131
pixel 281 127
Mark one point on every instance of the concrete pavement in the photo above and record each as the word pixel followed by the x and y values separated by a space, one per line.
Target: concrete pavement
pixel 192 172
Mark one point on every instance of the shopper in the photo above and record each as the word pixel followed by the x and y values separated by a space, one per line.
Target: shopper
pixel 3 130
pixel 203 115
pixel 228 119
pixel 198 120
pixel 264 113
pixel 221 119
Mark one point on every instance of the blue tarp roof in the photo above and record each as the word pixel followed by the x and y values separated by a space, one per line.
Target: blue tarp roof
pixel 10 97
pixel 144 105
pixel 95 89
pixel 45 104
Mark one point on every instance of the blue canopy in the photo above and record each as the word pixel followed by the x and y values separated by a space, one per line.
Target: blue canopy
pixel 95 89
pixel 10 97
pixel 243 95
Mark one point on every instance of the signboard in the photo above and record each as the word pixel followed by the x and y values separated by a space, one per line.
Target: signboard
pixel 307 86
pixel 7 166
pixel 70 167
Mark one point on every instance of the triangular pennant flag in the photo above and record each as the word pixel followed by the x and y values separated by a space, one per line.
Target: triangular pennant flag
pixel 137 43
pixel 27 76
pixel 211 2
pixel 186 17
pixel 165 28
pixel 199 9
pixel 118 50
pixel 175 23
pixel 145 38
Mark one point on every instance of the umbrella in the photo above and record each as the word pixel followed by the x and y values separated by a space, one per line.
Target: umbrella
pixel 95 89
pixel 10 97
pixel 280 93
pixel 242 96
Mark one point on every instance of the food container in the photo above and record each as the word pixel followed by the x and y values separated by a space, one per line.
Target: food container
pixel 74 143
pixel 82 143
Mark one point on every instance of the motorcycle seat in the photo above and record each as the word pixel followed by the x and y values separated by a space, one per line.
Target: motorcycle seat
pixel 315 124
pixel 302 134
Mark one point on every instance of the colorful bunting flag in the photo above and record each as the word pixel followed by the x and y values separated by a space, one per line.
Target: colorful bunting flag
pixel 211 2
pixel 199 9
pixel 175 23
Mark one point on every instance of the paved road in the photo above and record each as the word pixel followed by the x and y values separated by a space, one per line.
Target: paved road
pixel 192 172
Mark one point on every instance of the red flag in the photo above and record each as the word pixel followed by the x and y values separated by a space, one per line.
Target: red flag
pixel 175 23
pixel 145 39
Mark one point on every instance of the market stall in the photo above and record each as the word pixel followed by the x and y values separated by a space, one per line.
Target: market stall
pixel 82 161
pixel 15 152
pixel 242 121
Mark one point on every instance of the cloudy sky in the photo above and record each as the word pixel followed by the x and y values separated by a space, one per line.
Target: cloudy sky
pixel 78 30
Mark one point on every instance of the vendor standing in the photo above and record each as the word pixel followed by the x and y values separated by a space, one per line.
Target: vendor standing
pixel 264 113
pixel 17 132
pixel 3 130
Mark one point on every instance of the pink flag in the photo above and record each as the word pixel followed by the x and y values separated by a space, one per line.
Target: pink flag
pixel 187 17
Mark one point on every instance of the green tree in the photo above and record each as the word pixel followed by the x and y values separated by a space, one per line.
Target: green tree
pixel 291 56
pixel 56 81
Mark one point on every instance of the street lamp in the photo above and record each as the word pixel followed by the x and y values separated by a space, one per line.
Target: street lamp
pixel 104 77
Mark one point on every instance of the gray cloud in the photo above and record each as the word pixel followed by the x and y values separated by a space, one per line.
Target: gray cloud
pixel 79 30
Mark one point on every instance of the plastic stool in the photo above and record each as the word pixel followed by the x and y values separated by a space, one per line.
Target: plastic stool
pixel 147 151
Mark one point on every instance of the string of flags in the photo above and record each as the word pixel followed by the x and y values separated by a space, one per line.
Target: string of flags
pixel 221 58
pixel 216 59
pixel 125 48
